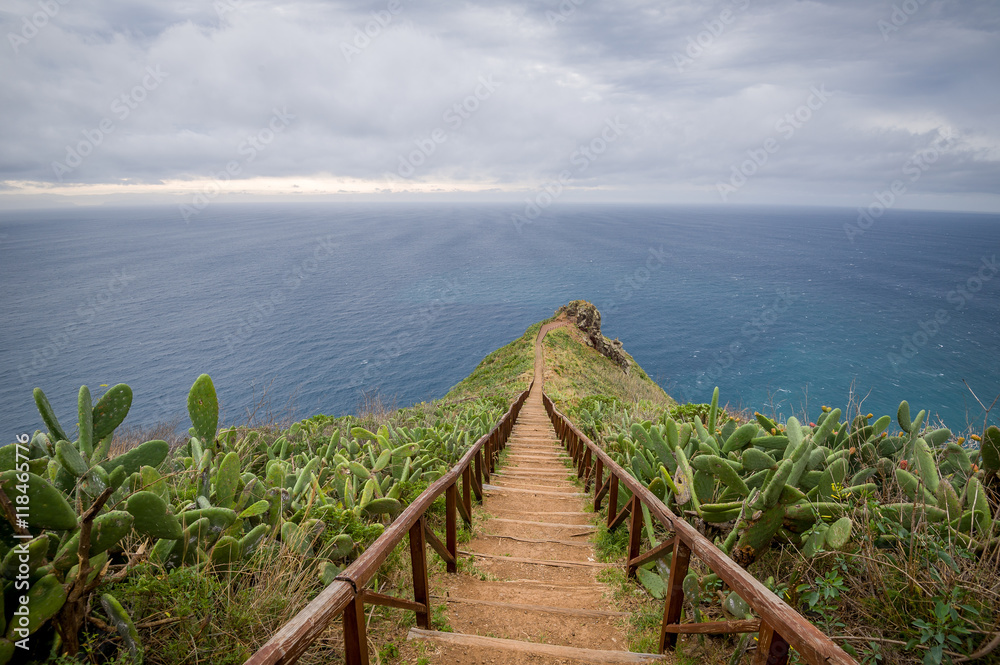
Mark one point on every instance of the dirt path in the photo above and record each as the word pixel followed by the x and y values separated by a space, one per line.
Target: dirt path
pixel 527 591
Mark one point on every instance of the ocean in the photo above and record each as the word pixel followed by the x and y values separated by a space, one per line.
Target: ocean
pixel 313 306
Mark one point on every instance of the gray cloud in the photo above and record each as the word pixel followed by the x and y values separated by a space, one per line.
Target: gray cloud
pixel 697 84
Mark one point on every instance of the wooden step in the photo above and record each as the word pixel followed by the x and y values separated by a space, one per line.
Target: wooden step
pixel 556 563
pixel 521 472
pixel 567 611
pixel 555 525
pixel 491 644
pixel 553 541
pixel 502 490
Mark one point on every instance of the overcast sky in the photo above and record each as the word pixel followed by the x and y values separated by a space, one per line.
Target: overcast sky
pixel 736 102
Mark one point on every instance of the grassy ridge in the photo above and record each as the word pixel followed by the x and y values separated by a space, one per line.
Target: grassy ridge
pixel 506 372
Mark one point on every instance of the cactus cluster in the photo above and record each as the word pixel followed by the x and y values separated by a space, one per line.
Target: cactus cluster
pixel 798 483
pixel 59 497
pixel 225 496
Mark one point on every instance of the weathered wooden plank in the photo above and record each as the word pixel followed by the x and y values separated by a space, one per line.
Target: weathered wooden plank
pixel 675 593
pixel 438 546
pixel 772 649
pixel 658 552
pixel 373 598
pixel 355 633
pixel 418 561
pixel 620 517
pixel 634 535
pixel 451 524
pixel 612 497
pixel 599 495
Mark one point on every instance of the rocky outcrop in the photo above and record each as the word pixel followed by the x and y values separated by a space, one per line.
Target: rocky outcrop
pixel 584 315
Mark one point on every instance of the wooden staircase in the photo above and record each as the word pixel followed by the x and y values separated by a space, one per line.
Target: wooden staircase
pixel 527 591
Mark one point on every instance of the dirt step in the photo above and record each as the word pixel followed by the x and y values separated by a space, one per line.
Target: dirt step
pixel 527 548
pixel 535 483
pixel 501 490
pixel 561 474
pixel 584 597
pixel 463 649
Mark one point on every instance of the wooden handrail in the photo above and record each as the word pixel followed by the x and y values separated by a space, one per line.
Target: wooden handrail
pixel 347 592
pixel 780 624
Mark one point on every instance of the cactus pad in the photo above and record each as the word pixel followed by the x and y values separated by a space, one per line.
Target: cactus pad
pixel 990 449
pixel 49 508
pixel 86 414
pixel 49 416
pixel 839 533
pixel 45 599
pixel 124 625
pixel 111 409
pixel 153 517
pixel 152 453
pixel 203 408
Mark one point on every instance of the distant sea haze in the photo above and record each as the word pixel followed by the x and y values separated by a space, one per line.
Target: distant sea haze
pixel 785 309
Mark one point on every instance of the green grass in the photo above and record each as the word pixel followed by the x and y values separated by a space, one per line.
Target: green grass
pixel 576 372
pixel 505 372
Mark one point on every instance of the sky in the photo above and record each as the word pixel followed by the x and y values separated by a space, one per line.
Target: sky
pixel 841 103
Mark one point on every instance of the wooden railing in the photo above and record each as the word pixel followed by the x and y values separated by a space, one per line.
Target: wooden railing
pixel 779 625
pixel 347 595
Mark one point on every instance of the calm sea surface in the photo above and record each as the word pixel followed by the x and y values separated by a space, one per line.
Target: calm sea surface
pixel 316 304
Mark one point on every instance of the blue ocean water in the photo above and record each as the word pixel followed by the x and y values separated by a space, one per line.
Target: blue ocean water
pixel 317 304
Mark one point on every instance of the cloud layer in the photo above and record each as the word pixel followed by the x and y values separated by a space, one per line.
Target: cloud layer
pixel 743 101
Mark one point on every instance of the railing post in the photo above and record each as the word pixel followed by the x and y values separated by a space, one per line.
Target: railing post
pixel 613 499
pixel 418 560
pixel 355 634
pixel 772 649
pixel 467 491
pixel 675 593
pixel 634 533
pixel 598 483
pixel 478 461
pixel 450 519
